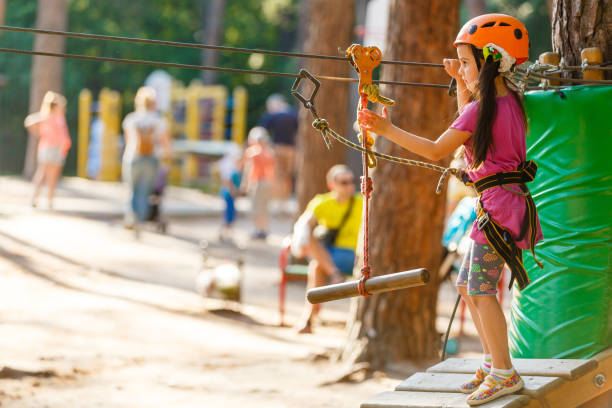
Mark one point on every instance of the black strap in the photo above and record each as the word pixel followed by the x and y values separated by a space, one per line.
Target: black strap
pixel 346 214
pixel 505 247
pixel 524 174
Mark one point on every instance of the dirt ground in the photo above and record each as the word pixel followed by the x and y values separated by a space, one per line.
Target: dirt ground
pixel 86 322
pixel 72 337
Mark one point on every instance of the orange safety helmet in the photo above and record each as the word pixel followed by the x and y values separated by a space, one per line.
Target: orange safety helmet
pixel 499 29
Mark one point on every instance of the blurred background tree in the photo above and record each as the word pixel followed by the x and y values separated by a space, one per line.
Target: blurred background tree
pixel 266 24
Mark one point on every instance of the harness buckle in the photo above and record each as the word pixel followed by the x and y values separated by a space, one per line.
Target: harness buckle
pixel 483 220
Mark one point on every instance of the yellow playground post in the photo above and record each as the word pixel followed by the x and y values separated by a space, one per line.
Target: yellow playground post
pixel 110 113
pixel 84 130
pixel 239 111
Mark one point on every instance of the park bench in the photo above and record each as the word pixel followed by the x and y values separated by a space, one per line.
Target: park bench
pixel 290 270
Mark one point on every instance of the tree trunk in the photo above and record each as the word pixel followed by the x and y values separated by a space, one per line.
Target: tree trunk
pixel 46 71
pixel 2 10
pixel 475 8
pixel 303 23
pixel 406 217
pixel 330 27
pixel 578 24
pixel 213 29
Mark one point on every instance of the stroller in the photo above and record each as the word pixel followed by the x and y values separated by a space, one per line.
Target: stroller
pixel 155 199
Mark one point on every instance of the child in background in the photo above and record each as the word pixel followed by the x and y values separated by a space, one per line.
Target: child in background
pixel 259 174
pixel 229 169
pixel 49 124
pixel 491 130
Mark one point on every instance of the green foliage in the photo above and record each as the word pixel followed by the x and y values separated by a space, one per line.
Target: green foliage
pixel 265 24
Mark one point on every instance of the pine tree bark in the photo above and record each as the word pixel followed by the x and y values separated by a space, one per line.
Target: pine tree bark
pixel 330 27
pixel 579 24
pixel 47 72
pixel 406 216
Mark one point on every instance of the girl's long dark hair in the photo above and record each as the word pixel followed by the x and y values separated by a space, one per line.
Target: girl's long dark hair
pixel 482 139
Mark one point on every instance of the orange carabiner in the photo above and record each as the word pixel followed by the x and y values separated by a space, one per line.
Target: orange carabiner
pixel 365 60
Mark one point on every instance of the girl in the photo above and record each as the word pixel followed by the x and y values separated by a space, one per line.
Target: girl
pixel 49 124
pixel 492 132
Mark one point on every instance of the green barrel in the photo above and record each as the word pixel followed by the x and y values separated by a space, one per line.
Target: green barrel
pixel 566 311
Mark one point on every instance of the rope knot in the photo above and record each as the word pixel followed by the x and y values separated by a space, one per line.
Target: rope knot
pixel 373 93
pixel 366 186
pixel 321 125
pixel 365 275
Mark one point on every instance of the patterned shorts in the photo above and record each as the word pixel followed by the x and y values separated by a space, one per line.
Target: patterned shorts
pixel 480 270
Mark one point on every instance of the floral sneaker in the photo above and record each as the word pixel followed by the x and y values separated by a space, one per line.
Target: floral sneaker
pixel 494 387
pixel 471 385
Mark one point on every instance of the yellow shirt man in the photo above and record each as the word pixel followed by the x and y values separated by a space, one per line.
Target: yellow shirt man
pixel 330 212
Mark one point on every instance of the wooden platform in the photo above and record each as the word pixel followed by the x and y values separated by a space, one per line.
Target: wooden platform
pixel 548 384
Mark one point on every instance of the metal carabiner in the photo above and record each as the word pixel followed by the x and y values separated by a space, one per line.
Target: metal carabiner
pixel 308 103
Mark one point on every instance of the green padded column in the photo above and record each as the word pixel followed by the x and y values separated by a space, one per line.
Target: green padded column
pixel 566 312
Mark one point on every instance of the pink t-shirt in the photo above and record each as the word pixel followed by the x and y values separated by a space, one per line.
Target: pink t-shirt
pixel 53 132
pixel 509 151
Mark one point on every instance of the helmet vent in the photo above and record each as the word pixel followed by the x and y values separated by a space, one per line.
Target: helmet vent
pixel 473 29
pixel 489 24
pixel 502 24
pixel 518 34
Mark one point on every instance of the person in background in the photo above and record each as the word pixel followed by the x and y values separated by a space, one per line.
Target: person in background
pixel 327 234
pixel 281 121
pixel 229 170
pixel 146 141
pixel 49 124
pixel 259 176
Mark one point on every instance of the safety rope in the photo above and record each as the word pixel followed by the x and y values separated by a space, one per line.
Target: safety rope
pixel 321 125
pixel 367 187
pixel 201 46
pixel 531 71
pixel 204 67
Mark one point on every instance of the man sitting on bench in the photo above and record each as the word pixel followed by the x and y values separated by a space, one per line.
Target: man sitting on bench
pixel 327 234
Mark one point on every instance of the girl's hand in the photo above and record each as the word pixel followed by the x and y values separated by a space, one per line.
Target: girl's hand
pixel 381 125
pixel 452 68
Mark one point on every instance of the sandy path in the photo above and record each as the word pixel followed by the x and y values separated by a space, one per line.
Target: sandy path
pixel 79 338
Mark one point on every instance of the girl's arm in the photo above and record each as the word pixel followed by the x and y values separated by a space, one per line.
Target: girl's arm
pixel 445 145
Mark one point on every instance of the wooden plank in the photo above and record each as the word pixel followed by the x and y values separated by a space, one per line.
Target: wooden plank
pixel 565 368
pixel 582 390
pixel 410 399
pixel 449 382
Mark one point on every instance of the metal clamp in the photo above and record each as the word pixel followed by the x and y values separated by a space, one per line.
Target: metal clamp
pixel 483 220
pixel 308 103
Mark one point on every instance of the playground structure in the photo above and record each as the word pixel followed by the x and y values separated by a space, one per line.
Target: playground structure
pixel 200 114
pixel 202 120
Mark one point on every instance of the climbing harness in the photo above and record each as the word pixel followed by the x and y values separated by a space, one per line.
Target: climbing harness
pixel 499 238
